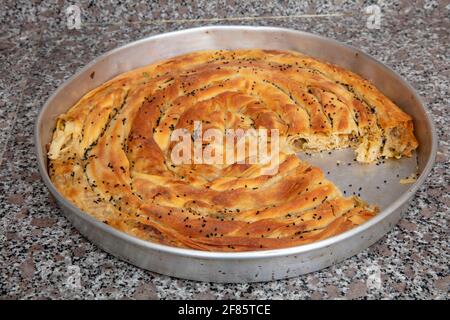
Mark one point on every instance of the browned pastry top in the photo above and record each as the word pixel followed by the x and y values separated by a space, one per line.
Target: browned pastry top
pixel 110 153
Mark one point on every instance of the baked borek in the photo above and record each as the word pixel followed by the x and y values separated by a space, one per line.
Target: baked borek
pixel 111 152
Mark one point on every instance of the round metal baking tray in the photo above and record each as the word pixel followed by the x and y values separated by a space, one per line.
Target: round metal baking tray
pixel 376 184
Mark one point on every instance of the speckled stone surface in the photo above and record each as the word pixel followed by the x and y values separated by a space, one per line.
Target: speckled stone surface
pixel 43 256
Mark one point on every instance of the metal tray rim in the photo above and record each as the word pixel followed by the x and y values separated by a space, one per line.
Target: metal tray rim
pixel 212 255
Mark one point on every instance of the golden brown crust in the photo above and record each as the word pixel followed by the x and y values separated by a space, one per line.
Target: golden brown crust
pixel 110 152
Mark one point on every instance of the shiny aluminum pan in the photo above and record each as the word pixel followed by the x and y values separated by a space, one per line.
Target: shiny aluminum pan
pixel 258 265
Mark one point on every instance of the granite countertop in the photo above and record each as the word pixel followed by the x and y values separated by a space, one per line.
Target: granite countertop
pixel 43 256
